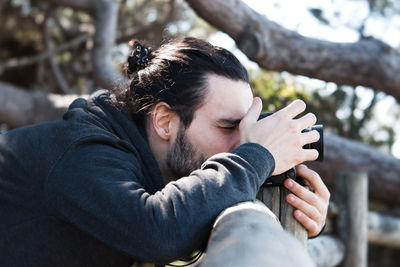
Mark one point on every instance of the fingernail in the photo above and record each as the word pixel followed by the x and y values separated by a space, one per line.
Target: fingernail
pixel 299 214
pixel 290 184
pixel 291 198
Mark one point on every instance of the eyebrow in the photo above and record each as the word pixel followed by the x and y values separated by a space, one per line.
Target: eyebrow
pixel 230 121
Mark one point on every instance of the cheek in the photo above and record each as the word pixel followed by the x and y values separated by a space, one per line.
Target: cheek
pixel 212 142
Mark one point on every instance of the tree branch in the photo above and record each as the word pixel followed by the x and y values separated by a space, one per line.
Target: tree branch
pixel 106 16
pixel 368 62
pixel 25 61
pixel 104 41
pixel 345 154
pixel 19 107
pixel 61 82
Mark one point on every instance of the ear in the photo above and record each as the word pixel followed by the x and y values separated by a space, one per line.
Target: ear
pixel 164 120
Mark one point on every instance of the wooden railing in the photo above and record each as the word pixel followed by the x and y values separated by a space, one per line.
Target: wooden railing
pixel 248 234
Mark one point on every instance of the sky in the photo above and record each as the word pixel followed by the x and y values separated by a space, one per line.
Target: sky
pixel 344 16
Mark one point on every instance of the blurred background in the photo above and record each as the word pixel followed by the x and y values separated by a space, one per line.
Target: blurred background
pixel 52 51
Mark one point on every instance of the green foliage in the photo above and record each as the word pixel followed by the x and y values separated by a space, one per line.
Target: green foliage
pixel 274 90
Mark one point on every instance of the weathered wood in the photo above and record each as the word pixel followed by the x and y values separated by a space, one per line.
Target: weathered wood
pixel 383 230
pixel 275 198
pixel 249 234
pixel 345 154
pixel 288 220
pixel 271 196
pixel 351 196
pixel 326 250
pixel 20 107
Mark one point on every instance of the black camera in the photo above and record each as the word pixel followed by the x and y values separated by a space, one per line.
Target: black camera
pixel 277 180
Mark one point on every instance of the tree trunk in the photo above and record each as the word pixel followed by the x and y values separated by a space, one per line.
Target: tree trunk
pixel 19 107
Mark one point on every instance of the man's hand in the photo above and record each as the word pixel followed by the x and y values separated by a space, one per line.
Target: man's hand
pixel 281 134
pixel 311 203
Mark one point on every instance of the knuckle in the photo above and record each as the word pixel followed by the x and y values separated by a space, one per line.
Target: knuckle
pixel 319 218
pixel 314 200
pixel 292 127
pixel 298 142
pixel 314 177
pixel 279 115
pixel 244 121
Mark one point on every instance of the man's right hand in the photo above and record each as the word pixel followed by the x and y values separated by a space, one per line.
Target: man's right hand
pixel 281 134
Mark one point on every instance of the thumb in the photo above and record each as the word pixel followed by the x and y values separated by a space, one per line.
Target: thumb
pixel 254 111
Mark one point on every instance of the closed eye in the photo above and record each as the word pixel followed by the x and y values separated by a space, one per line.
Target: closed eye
pixel 229 128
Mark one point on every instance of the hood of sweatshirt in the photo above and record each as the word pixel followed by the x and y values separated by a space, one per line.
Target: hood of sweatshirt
pixel 100 111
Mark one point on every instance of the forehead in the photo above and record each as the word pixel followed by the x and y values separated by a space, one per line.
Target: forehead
pixel 226 98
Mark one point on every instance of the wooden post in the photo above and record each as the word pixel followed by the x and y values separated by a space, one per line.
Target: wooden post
pixel 275 198
pixel 351 196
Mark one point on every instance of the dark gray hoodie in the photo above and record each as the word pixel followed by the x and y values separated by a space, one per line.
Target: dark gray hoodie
pixel 87 191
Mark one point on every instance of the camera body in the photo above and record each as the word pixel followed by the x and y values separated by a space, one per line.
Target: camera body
pixel 277 180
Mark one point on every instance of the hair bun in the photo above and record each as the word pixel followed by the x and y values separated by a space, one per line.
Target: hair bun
pixel 139 57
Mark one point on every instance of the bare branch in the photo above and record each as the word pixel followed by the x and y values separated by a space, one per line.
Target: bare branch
pixel 25 61
pixel 104 41
pixel 106 15
pixel 61 82
pixel 368 62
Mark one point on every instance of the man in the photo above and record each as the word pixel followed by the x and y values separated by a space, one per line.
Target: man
pixel 141 174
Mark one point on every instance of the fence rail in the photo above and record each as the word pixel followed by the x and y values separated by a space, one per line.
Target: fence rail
pixel 248 235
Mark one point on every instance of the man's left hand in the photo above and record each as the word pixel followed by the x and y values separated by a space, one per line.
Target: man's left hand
pixel 311 201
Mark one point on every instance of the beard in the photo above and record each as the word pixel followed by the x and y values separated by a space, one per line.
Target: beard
pixel 182 157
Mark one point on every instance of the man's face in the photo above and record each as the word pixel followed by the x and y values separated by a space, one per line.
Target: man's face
pixel 215 126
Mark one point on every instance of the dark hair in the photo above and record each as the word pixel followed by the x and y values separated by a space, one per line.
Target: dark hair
pixel 175 73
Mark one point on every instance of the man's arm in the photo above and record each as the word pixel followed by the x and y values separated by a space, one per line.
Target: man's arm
pixel 98 189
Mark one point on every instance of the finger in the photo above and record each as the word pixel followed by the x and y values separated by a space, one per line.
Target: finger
pixel 306 121
pixel 254 111
pixel 308 185
pixel 315 180
pixel 312 211
pixel 301 192
pixel 308 138
pixel 312 227
pixel 309 155
pixel 293 109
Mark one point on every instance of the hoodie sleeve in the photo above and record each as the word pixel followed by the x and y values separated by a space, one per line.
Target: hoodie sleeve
pixel 97 188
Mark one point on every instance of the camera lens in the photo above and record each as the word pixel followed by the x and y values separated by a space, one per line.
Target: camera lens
pixel 319 145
